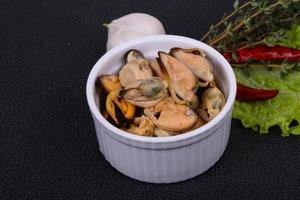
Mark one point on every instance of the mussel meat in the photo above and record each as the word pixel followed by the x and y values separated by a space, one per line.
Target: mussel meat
pixel 110 82
pixel 142 126
pixel 146 92
pixel 170 116
pixel 156 68
pixel 181 80
pixel 133 55
pixel 200 66
pixel 213 102
pixel 113 103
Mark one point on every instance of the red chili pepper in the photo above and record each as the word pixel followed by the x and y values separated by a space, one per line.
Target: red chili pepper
pixel 264 53
pixel 248 94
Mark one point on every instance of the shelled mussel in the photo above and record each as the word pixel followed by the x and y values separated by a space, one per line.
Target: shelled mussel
pixel 170 95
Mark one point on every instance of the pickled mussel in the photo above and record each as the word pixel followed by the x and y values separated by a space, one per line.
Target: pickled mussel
pixel 197 62
pixel 145 92
pixel 213 101
pixel 167 96
pixel 181 80
pixel 136 67
pixel 171 116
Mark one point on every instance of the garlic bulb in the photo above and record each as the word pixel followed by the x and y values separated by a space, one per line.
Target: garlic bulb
pixel 132 26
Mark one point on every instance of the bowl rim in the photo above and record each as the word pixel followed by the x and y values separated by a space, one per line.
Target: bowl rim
pixel 90 85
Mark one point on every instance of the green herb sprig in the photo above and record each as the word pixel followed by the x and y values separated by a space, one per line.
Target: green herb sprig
pixel 255 22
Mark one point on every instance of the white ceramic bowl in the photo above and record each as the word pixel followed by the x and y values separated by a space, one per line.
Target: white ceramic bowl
pixel 163 159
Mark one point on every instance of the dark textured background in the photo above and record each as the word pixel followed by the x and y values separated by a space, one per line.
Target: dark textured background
pixel 48 146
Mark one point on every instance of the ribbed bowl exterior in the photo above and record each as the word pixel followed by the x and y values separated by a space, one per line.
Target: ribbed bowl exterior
pixel 165 165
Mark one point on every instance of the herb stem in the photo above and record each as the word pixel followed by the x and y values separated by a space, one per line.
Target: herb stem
pixel 225 19
pixel 252 44
pixel 290 19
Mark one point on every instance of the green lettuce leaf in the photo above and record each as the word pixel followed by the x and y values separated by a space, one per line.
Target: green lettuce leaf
pixel 281 110
pixel 285 107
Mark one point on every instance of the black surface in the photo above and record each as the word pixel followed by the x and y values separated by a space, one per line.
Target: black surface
pixel 48 146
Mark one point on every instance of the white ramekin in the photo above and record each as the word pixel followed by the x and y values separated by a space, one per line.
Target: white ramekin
pixel 163 159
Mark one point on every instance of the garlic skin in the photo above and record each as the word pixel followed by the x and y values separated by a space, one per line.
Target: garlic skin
pixel 132 26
